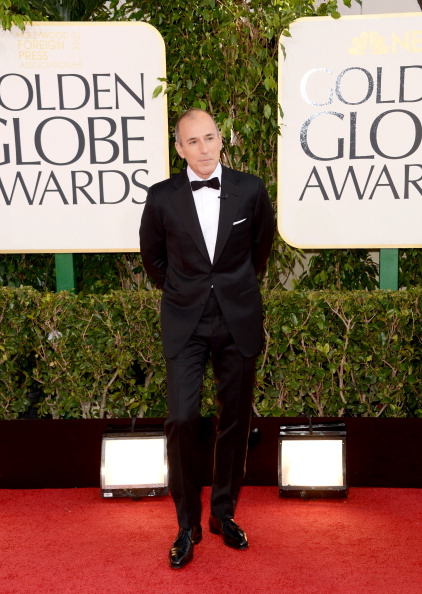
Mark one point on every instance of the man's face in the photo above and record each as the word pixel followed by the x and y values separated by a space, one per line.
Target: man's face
pixel 199 143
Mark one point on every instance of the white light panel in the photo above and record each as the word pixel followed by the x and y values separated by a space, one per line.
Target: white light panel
pixel 312 462
pixel 134 462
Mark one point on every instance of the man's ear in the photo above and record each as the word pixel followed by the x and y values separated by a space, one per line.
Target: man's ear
pixel 179 150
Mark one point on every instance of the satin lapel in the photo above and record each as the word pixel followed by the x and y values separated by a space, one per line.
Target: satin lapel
pixel 228 208
pixel 185 206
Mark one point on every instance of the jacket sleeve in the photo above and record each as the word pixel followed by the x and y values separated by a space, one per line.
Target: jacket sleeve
pixel 263 229
pixel 153 241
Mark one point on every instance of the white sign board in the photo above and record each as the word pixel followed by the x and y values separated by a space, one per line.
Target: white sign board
pixel 350 154
pixel 81 137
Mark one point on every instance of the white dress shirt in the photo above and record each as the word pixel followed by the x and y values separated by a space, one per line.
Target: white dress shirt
pixel 207 202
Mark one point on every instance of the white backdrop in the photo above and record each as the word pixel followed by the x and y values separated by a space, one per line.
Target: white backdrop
pixel 350 156
pixel 81 136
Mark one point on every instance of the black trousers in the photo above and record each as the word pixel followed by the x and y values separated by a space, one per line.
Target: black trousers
pixel 234 377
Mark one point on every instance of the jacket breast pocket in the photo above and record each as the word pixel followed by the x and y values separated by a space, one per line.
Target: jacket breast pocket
pixel 240 230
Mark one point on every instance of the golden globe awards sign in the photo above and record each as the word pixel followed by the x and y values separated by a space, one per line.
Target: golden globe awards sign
pixel 81 137
pixel 350 154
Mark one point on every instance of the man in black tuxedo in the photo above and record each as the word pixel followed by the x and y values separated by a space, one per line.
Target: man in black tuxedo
pixel 205 235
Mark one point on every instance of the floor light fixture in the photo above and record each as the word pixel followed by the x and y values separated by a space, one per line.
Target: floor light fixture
pixel 312 460
pixel 134 464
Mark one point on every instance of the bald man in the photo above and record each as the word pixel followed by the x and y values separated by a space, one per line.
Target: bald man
pixel 205 236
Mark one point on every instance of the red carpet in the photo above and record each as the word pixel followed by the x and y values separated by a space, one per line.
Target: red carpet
pixel 55 541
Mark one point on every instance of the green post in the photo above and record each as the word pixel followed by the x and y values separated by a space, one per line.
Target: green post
pixel 389 269
pixel 65 273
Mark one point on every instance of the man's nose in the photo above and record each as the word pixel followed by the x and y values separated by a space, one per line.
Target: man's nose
pixel 203 146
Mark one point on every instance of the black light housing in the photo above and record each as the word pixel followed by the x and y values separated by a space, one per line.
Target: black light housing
pixel 312 460
pixel 134 463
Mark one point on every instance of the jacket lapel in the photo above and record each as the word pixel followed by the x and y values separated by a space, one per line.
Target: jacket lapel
pixel 228 208
pixel 185 205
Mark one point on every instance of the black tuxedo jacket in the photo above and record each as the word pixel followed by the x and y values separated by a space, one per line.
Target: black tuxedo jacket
pixel 175 256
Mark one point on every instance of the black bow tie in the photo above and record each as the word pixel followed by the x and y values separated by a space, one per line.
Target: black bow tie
pixel 210 183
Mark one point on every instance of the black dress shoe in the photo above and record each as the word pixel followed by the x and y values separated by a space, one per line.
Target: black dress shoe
pixel 182 550
pixel 233 535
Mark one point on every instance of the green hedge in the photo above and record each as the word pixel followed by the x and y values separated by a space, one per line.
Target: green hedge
pixel 326 354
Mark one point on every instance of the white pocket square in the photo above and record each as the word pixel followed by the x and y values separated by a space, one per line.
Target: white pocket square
pixel 237 222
